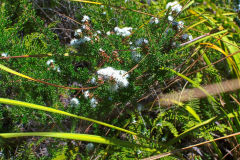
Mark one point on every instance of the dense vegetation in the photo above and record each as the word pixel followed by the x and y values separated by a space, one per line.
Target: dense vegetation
pixel 139 70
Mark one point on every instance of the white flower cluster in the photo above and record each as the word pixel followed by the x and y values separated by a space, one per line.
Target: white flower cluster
pixel 154 20
pixel 74 102
pixel 51 61
pixel 186 37
pixel 136 56
pixel 126 31
pixel 108 33
pixel 119 76
pixel 93 80
pixel 85 18
pixel 77 32
pixel 93 101
pixel 175 7
pixel 141 41
pixel 75 41
pixel 4 55
pixel 180 25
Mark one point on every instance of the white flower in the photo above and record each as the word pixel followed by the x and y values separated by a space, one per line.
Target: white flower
pixel 136 56
pixel 74 42
pixel 130 43
pixel 134 121
pixel 74 101
pixel 120 77
pixel 185 36
pixel 50 61
pixel 104 13
pixel 141 41
pixel 139 151
pixel 175 7
pixel 85 18
pixel 98 32
pixel 93 102
pixel 180 25
pixel 164 139
pixel 108 33
pixel 105 73
pixel 4 54
pixel 86 94
pixel 170 18
pixel 84 39
pixel 102 6
pixel 77 32
pixel 126 31
pixel 84 26
pixel 57 68
pixel 93 80
pixel 154 20
pixel 190 37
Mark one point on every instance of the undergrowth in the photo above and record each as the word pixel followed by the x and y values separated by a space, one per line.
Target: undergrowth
pixel 124 51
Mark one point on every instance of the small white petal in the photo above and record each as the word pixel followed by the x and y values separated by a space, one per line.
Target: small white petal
pixel 85 18
pixel 49 61
pixel 93 102
pixel 126 31
pixel 175 7
pixel 190 37
pixel 93 80
pixel 154 20
pixel 141 41
pixel 84 26
pixel 74 101
pixel 170 18
pixel 4 54
pixel 98 32
pixel 86 94
pixel 74 42
pixel 180 25
pixel 77 32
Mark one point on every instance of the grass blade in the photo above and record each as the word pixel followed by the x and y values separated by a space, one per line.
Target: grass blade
pixel 52 110
pixel 74 136
pixel 210 45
